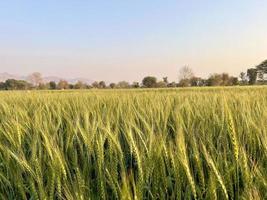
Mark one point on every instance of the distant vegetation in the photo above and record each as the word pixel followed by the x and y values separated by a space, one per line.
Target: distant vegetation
pixel 186 78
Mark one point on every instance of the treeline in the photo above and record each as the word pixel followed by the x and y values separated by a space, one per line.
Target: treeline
pixel 252 76
pixel 12 84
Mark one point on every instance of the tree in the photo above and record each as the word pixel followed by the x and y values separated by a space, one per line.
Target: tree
pixel 197 81
pixel 79 85
pixel 52 85
pixel 112 85
pixel 102 84
pixel 243 78
pixel 161 84
pixel 262 70
pixel 12 84
pixel 123 84
pixel 234 81
pixel 2 86
pixel 149 82
pixel 43 86
pixel 95 84
pixel 252 76
pixel 262 67
pixel 260 75
pixel 135 85
pixel 185 73
pixel 184 83
pixel 165 80
pixel 226 80
pixel 70 86
pixel 214 80
pixel 63 85
pixel 35 78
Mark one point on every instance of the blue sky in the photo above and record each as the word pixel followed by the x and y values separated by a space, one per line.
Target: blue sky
pixel 126 40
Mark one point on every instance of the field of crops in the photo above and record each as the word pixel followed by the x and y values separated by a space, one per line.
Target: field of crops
pixel 208 143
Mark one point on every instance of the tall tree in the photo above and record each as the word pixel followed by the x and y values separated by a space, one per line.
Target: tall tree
pixel 35 78
pixel 186 73
pixel 262 67
pixel 252 76
pixel 243 77
pixel 226 80
pixel 262 70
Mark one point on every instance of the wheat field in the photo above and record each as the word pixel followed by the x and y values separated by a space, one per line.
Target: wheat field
pixel 208 143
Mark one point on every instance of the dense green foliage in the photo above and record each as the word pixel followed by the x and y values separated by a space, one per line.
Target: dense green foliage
pixel 12 84
pixel 208 143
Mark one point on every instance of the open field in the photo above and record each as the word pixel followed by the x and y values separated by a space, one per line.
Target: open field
pixel 208 143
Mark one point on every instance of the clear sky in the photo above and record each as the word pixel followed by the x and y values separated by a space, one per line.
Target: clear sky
pixel 116 40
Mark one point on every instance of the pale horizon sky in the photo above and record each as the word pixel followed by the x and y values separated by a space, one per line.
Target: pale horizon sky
pixel 126 40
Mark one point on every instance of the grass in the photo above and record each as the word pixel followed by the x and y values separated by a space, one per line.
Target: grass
pixel 208 143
